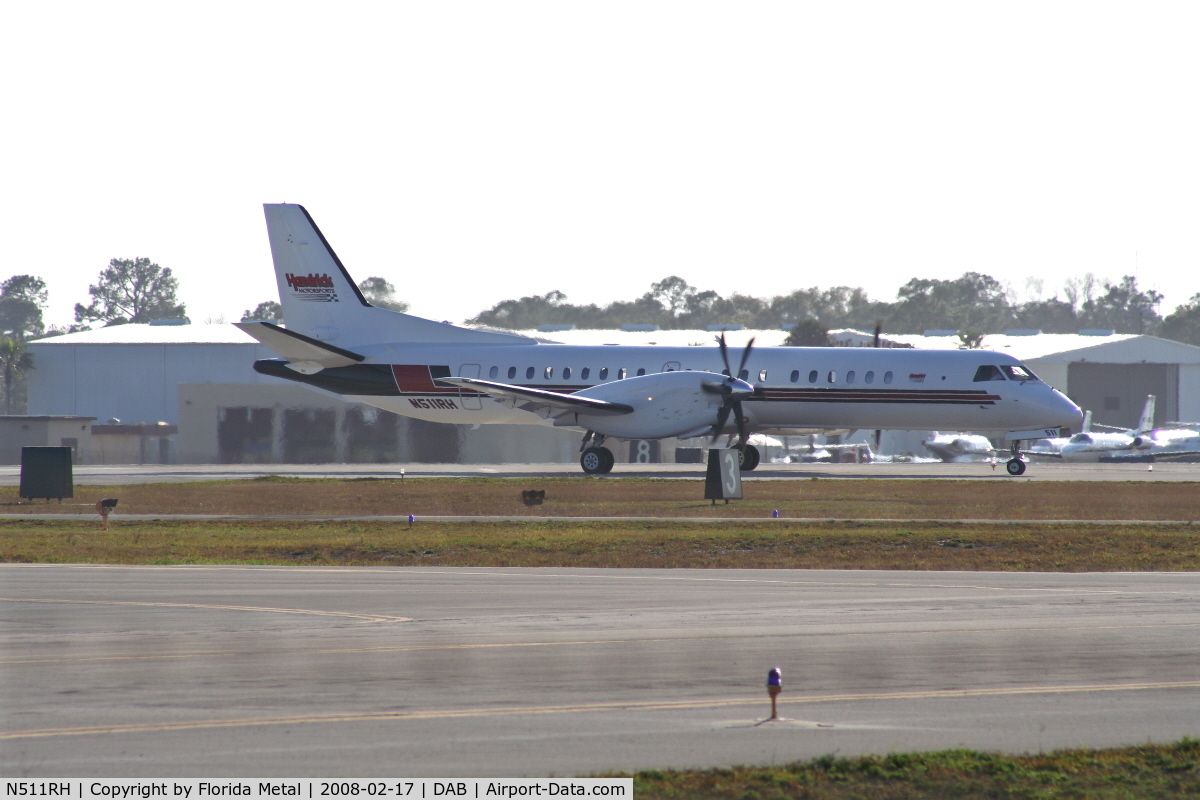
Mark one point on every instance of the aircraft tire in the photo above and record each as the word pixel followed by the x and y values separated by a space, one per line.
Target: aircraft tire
pixel 597 461
pixel 750 457
pixel 1015 466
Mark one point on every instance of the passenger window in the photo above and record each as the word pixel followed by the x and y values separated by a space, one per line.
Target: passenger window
pixel 641 371
pixel 850 376
pixel 549 373
pixel 887 377
pixel 762 374
pixel 604 373
pixel 493 372
pixel 988 373
pixel 833 376
pixel 585 372
pixel 795 376
pixel 512 372
pixel 621 374
pixel 812 376
pixel 869 377
pixel 1019 373
pixel 529 372
pixel 566 373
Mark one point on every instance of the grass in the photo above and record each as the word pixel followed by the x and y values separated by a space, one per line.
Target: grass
pixel 1146 771
pixel 747 544
pixel 623 497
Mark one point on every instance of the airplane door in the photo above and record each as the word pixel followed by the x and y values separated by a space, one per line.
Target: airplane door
pixel 671 366
pixel 470 400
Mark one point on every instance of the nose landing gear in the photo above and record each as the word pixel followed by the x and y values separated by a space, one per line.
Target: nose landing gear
pixel 1015 465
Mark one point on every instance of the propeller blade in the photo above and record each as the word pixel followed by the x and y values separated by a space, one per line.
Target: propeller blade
pixel 722 417
pixel 725 354
pixel 741 424
pixel 878 331
pixel 878 439
pixel 745 356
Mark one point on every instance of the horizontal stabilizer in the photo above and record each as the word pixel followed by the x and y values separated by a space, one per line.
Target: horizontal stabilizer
pixel 298 348
pixel 541 398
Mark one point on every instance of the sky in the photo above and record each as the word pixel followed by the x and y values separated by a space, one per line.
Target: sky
pixel 472 152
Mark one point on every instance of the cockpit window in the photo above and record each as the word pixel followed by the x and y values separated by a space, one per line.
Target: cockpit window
pixel 1080 437
pixel 1018 373
pixel 988 373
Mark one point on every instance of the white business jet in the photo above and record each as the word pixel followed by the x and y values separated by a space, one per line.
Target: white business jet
pixel 336 341
pixel 1131 443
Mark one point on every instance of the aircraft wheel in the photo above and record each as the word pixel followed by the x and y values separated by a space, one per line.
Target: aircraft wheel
pixel 749 458
pixel 1015 466
pixel 597 460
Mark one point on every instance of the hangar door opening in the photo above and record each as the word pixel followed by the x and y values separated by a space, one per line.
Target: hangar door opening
pixel 1115 393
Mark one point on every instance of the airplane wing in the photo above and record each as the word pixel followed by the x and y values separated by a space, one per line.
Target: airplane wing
pixel 307 355
pixel 539 399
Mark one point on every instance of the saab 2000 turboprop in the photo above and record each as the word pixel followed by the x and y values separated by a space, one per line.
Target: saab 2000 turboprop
pixel 335 340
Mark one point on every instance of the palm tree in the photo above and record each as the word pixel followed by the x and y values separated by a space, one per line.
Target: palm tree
pixel 15 360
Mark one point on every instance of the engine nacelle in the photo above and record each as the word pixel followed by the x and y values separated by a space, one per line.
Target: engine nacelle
pixel 665 404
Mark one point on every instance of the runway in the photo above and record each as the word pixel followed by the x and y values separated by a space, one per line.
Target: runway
pixel 113 671
pixel 116 474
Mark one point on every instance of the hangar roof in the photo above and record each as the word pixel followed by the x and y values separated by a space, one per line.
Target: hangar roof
pixel 1052 347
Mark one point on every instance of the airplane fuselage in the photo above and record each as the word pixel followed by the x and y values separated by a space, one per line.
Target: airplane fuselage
pixel 798 388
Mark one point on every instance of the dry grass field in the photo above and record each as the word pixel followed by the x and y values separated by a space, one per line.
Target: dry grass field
pixel 869 525
pixel 634 497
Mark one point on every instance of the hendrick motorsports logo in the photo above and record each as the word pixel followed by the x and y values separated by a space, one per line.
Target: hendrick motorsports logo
pixel 313 288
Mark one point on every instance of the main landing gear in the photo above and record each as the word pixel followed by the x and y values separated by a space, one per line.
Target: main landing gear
pixel 749 457
pixel 594 459
pixel 597 460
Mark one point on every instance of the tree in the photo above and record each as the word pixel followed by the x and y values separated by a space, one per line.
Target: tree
pixel 381 294
pixel 268 309
pixel 22 301
pixel 1183 324
pixel 136 290
pixel 1124 308
pixel 808 333
pixel 971 301
pixel 15 361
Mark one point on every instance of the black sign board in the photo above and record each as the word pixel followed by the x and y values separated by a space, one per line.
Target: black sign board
pixel 724 479
pixel 46 472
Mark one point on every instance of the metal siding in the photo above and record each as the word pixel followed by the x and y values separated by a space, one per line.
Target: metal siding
pixel 1089 384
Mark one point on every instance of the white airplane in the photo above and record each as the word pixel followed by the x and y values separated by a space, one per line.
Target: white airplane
pixel 960 447
pixel 1144 440
pixel 336 341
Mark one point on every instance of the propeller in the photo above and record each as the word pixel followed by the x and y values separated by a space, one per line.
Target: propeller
pixel 875 343
pixel 732 391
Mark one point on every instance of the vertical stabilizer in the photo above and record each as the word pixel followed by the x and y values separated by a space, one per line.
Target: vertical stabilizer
pixel 322 301
pixel 1087 421
pixel 1146 423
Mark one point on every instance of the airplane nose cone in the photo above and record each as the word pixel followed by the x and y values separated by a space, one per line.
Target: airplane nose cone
pixel 1071 415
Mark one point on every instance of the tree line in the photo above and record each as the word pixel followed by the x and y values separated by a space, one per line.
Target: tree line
pixel 973 303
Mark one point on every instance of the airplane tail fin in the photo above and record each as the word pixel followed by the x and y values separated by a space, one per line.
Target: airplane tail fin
pixel 322 301
pixel 1087 421
pixel 1146 423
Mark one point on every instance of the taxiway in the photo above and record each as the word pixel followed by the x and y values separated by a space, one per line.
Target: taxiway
pixel 115 671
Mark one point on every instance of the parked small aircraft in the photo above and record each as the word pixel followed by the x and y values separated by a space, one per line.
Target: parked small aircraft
pixel 336 341
pixel 1117 443
pixel 960 447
